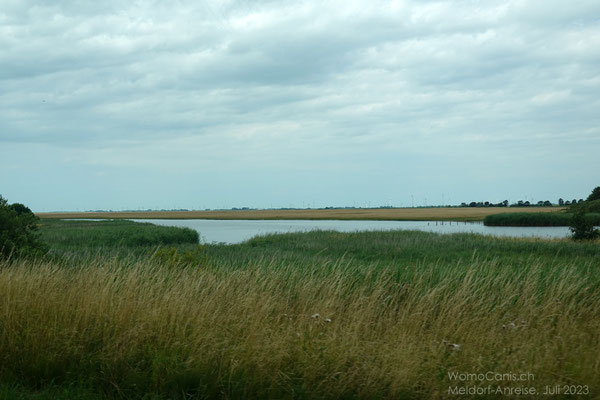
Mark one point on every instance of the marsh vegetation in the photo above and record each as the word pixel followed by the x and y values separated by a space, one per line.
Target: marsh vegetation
pixel 300 315
pixel 537 219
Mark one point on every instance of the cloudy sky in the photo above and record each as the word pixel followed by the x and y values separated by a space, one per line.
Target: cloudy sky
pixel 233 103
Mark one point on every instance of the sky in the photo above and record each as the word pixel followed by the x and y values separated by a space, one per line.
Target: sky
pixel 119 105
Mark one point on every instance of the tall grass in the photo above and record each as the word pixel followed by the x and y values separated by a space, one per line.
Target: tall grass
pixel 535 219
pixel 390 248
pixel 322 325
pixel 75 235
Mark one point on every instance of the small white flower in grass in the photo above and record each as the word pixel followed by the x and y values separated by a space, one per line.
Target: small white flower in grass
pixel 451 346
pixel 316 316
pixel 288 317
pixel 512 326
pixel 327 319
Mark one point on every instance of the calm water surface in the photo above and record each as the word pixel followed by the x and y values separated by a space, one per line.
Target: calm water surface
pixel 236 231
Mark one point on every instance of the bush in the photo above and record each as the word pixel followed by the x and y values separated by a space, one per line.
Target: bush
pixel 18 231
pixel 582 227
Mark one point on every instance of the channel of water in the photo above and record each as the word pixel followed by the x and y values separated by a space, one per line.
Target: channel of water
pixel 236 231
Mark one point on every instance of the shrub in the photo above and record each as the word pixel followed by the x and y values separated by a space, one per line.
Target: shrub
pixel 18 231
pixel 582 227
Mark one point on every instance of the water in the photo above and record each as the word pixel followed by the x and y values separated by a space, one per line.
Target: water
pixel 236 231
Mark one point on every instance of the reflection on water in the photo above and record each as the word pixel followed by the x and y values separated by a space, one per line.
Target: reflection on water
pixel 236 231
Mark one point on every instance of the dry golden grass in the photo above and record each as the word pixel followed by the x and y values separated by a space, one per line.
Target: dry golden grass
pixel 399 214
pixel 252 331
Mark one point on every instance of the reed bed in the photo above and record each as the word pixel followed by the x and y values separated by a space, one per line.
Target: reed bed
pixel 536 219
pixel 111 234
pixel 275 327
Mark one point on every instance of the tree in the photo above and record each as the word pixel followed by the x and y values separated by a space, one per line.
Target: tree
pixel 582 228
pixel 18 231
pixel 595 195
pixel 561 202
pixel 591 204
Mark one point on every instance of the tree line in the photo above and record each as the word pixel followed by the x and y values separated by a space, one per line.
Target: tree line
pixel 521 203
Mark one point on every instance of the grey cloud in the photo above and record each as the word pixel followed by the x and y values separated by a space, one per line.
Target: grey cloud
pixel 93 72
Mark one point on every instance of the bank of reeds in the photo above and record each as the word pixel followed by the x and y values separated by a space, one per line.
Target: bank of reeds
pixel 277 328
pixel 73 235
pixel 535 219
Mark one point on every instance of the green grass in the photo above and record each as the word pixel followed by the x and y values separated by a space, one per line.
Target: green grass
pixel 237 321
pixel 535 219
pixel 391 248
pixel 65 392
pixel 68 236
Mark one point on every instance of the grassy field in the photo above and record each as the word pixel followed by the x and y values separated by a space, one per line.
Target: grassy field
pixel 300 315
pixel 397 214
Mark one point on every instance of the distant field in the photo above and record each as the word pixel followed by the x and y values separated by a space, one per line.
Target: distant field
pixel 395 214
